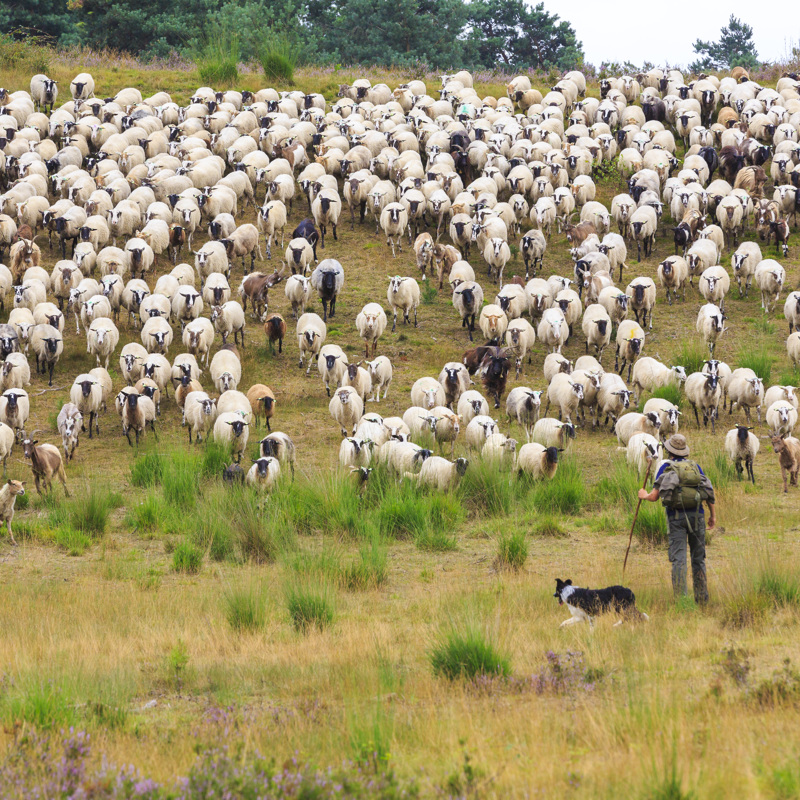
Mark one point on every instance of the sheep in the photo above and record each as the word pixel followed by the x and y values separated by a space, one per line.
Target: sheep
pixel 454 379
pixel 278 445
pixel 553 330
pixel 199 412
pixel 298 292
pixel 346 407
pixel 445 426
pixel 704 391
pixel 380 373
pixel 216 289
pixel 102 339
pixel 48 345
pixel 714 284
pixel 479 429
pixel 788 450
pixel 187 305
pixel 439 473
pixel 565 393
pixel 138 410
pixel 642 292
pixel 468 300
pixel 744 261
pixel 710 324
pixel 500 450
pixel 357 377
pixel 394 223
pixel 650 374
pixel 512 300
pixel 327 280
pixel 15 373
pixel 629 424
pixel 613 397
pixel 520 338
pixel 497 254
pixel 157 335
pixel 231 430
pixel 700 256
pixel 781 418
pixel 630 342
pixel 226 370
pixel 445 257
pixel 493 322
pixel 428 393
pixel 537 461
pixel 596 327
pixel 667 413
pixel 523 405
pixel 45 463
pixel 371 323
pixel 672 274
pixel 87 394
pixel 785 393
pixel 644 223
pixel 403 294
pixel 326 209
pixel 261 399
pixel 44 92
pixel 769 277
pixel 264 474
pixel 746 390
pixel 730 216
pixel 311 334
pixel 642 452
pixel 229 319
pixel 7 439
pixel 494 371
pixel 332 365
pixel 211 257
pixel 553 433
pixel 533 246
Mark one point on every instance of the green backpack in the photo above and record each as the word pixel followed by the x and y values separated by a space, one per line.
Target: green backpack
pixel 690 493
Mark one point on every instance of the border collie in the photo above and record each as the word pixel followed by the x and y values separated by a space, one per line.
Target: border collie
pixel 584 603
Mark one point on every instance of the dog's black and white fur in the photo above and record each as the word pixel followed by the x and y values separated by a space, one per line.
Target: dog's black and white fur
pixel 583 604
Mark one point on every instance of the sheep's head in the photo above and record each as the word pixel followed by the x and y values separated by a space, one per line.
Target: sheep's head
pixel 461 466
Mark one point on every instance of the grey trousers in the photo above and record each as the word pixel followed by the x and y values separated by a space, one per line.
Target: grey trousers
pixel 688 528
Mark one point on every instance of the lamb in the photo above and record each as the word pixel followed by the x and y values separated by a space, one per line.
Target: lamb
pixel 200 413
pixel 553 330
pixel 371 323
pixel 642 451
pixel 566 394
pixel 454 379
pixel 428 393
pixel 553 433
pixel 642 292
pixel 332 365
pixel 45 463
pixel 744 261
pixel 327 280
pixel 629 424
pixel 439 473
pixel 596 327
pixel 157 335
pixel 704 391
pixel 261 399
pixel 746 390
pixel 710 324
pixel 311 334
pixel 264 474
pixel 644 223
pixel 493 322
pixel 229 319
pixel 102 339
pixel 714 284
pixel 500 450
pixel 226 370
pixel 138 410
pixel 468 300
pixel 87 394
pixel 781 418
pixel 769 277
pixel 650 374
pixel 380 372
pixel 630 341
pixel 231 430
pixel 278 445
pixel 403 294
pixel 523 405
pixel 346 407
pixel 788 450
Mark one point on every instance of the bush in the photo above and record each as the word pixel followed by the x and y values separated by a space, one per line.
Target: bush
pixel 467 653
pixel 187 558
pixel 278 60
pixel 758 359
pixel 24 51
pixel 246 608
pixel 310 604
pixel 512 551
pixel 218 60
pixel 564 494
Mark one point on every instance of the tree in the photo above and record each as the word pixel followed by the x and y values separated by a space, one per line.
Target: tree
pixel 735 48
pixel 511 33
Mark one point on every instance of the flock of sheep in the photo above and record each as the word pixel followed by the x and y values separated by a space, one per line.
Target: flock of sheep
pixel 123 185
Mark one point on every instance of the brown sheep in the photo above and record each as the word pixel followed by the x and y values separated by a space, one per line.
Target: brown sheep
pixel 45 462
pixel 275 329
pixel 261 399
pixel 788 451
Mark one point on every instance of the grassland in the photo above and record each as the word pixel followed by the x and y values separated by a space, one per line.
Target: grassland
pixel 165 615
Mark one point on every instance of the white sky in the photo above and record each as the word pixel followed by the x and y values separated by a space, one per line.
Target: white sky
pixel 632 30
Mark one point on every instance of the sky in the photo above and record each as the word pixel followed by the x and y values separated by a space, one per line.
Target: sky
pixel 630 30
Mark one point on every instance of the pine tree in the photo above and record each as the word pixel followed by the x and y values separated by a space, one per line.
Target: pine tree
pixel 735 48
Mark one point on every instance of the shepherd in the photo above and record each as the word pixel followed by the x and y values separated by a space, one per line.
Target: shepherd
pixel 683 487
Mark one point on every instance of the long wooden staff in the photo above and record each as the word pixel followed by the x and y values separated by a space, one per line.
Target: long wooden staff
pixel 635 516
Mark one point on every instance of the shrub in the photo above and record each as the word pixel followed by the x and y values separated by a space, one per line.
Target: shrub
pixel 691 356
pixel 278 60
pixel 467 653
pixel 187 558
pixel 246 608
pixel 758 359
pixel 310 604
pixel 512 550
pixel 564 494
pixel 218 60
pixel 24 51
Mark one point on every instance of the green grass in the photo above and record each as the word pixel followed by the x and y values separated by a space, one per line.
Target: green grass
pixel 467 652
pixel 691 355
pixel 88 512
pixel 436 541
pixel 760 360
pixel 148 470
pixel 619 484
pixel 370 570
pixel 547 526
pixel 651 524
pixel 671 394
pixel 721 471
pixel 146 516
pixel 278 59
pixel 489 490
pixel 245 607
pixel 24 51
pixel 512 551
pixel 310 603
pixel 218 60
pixel 75 543
pixel 187 558
pixel 564 494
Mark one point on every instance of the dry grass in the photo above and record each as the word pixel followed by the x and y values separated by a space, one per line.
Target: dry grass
pixel 117 625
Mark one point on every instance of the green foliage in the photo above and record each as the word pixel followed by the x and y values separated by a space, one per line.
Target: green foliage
pixel 651 524
pixel 44 704
pixel 429 293
pixel 547 526
pixel 564 494
pixel 278 59
pixel 369 571
pixel 187 558
pixel 176 665
pixel 148 469
pixel 87 513
pixel 512 551
pixel 760 360
pixel 146 516
pixel 180 480
pixel 20 49
pixel 782 782
pixel 436 541
pixel 218 60
pixel 245 607
pixel 74 542
pixel 310 604
pixel 721 471
pixel 734 48
pixel 487 489
pixel 467 652
pixel 618 484
pixel 692 355
pixel 672 394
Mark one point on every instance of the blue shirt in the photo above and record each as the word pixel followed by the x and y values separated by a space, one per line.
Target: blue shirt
pixel 672 511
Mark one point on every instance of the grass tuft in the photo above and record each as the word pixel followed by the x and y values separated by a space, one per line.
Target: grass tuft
pixel 246 608
pixel 467 653
pixel 512 551
pixel 758 359
pixel 187 558
pixel 651 524
pixel 369 571
pixel 148 470
pixel 672 394
pixel 278 60
pixel 310 604
pixel 548 526
pixel 489 490
pixel 691 355
pixel 564 494
pixel 218 60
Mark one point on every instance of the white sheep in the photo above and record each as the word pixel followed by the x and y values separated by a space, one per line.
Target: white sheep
pixel 642 293
pixel 439 473
pixel 714 284
pixel 403 294
pixel 667 412
pixel 298 292
pixel 264 474
pixel 102 338
pixel 497 254
pixel 428 393
pixel 644 223
pixel 226 370
pixel 643 450
pixel 311 335
pixel 199 413
pixel 470 405
pixel 520 338
pixel 596 327
pixel 231 430
pixel 229 319
pixel 744 262
pixel 553 433
pixel 770 277
pixel 632 422
pixel 710 325
pixel 537 461
pixel 381 373
pixel 673 272
pixel 775 393
pixel 553 329
pixel 630 342
pixel 371 323
pixel 479 429
pixel 198 337
pixel 741 445
pixel 781 418
pixel 157 335
pixel 500 450
pixel 704 391
pixel 700 256
pixel 87 394
pixel 346 407
pixel 650 374
pixel 523 405
pixel 565 393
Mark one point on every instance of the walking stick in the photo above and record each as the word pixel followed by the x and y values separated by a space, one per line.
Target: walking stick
pixel 635 516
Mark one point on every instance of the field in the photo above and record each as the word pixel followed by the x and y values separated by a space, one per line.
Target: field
pixel 187 627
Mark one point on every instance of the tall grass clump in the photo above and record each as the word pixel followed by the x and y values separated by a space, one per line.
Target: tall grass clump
pixel 215 457
pixel 758 359
pixel 672 394
pixel 146 516
pixel 618 485
pixel 370 570
pixel 278 59
pixel 87 512
pixel 148 469
pixel 512 551
pixel 217 60
pixel 180 479
pixel 310 604
pixel 564 494
pixel 467 652
pixel 245 607
pixel 691 356
pixel 651 524
pixel 721 471
pixel 410 512
pixel 488 489
pixel 187 558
